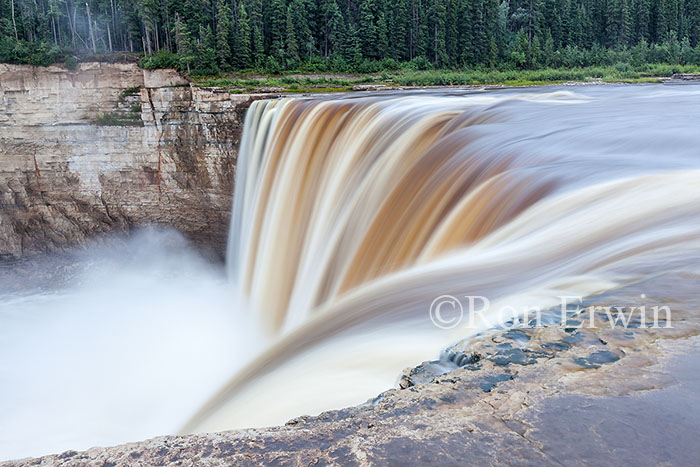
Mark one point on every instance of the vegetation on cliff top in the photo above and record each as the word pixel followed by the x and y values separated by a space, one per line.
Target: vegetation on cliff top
pixel 309 83
pixel 355 36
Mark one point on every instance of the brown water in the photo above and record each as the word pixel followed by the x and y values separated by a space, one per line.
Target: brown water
pixel 352 215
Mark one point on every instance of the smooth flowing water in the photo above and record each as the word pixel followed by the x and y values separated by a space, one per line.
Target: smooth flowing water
pixel 351 216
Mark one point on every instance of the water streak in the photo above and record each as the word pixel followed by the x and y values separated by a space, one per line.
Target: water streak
pixel 352 215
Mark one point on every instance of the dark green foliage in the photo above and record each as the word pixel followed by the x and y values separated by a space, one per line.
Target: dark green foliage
pixel 291 47
pixel 132 117
pixel 224 20
pixel 161 59
pixel 205 54
pixel 206 36
pixel 242 49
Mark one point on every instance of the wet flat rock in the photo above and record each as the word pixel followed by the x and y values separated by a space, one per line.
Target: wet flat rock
pixel 535 400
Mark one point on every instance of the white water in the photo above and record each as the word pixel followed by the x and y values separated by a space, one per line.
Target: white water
pixel 128 350
pixel 351 216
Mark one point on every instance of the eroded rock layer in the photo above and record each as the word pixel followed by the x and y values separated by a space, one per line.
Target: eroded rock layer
pixel 109 147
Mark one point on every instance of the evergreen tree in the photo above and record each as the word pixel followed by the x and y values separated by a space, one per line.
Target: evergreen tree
pixel 278 33
pixel 641 18
pixel 351 50
pixel 148 14
pixel 195 12
pixel 686 52
pixel 619 24
pixel 368 29
pixel 399 26
pixel 548 49
pixel 336 31
pixel 520 50
pixel 278 27
pixel 205 59
pixel 437 32
pixel 256 31
pixel 291 47
pixel 302 31
pixel 242 39
pixel 183 41
pixel 692 15
pixel 223 33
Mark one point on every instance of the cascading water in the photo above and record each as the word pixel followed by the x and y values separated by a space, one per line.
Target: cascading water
pixel 351 216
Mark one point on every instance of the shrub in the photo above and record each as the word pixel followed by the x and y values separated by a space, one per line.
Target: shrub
pixel 70 62
pixel 161 59
pixel 420 63
pixel 389 64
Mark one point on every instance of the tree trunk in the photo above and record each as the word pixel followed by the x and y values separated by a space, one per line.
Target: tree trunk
pixel 155 33
pixel 60 34
pixel 114 26
pixel 92 34
pixel 71 24
pixel 53 29
pixel 168 40
pixel 14 24
pixel 148 42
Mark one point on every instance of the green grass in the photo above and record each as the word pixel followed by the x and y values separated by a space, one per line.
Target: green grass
pixel 119 119
pixel 314 83
pixel 129 92
pixel 319 90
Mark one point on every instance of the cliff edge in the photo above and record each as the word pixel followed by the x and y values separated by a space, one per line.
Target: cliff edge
pixel 109 147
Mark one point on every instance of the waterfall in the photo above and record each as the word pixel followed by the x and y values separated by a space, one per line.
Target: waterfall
pixel 351 215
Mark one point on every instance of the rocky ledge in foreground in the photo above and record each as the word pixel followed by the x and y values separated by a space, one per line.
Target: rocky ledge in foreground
pixel 528 396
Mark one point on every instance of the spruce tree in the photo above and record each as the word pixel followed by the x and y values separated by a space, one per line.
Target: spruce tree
pixel 302 31
pixel 241 39
pixel 336 31
pixel 290 43
pixel 223 33
pixel 278 28
pixel 185 47
pixel 257 47
pixel 367 29
pixel 351 50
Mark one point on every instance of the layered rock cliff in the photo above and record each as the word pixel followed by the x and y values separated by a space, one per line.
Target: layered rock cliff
pixel 109 147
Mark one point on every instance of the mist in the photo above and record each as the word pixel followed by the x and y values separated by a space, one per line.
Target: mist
pixel 121 341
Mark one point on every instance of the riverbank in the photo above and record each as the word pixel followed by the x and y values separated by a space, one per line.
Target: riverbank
pixel 241 83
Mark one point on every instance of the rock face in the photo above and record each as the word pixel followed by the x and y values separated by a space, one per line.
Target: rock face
pixel 109 147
